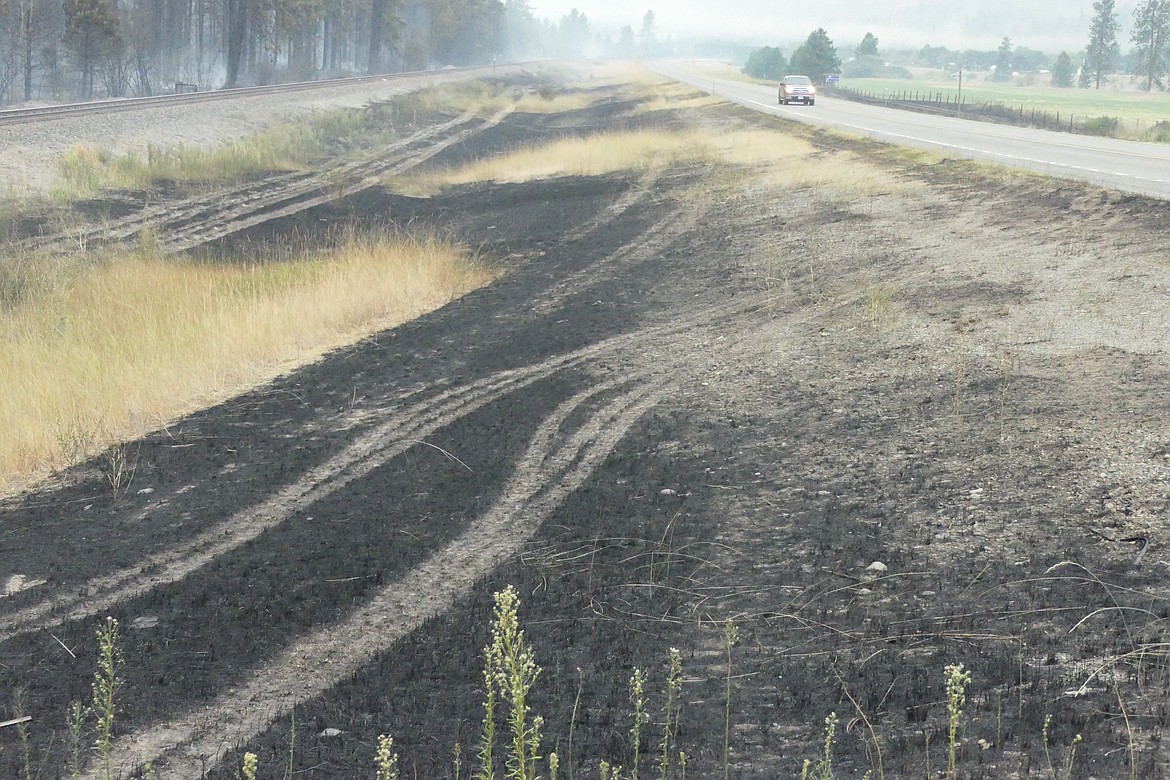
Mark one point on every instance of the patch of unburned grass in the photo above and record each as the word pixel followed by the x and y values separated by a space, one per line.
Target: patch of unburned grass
pixel 555 104
pixel 86 170
pixel 779 159
pixel 591 156
pixel 105 352
pixel 677 102
pixel 613 73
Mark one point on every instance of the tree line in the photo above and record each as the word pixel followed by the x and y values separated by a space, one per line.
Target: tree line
pixel 79 49
pixel 816 58
pixel 1148 60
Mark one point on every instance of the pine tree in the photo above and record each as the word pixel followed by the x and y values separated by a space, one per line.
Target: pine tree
pixel 647 32
pixel 1151 36
pixel 816 57
pixel 1003 60
pixel 766 63
pixel 92 33
pixel 1103 48
pixel 868 46
pixel 1063 71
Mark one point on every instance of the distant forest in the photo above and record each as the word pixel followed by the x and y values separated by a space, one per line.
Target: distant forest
pixel 80 49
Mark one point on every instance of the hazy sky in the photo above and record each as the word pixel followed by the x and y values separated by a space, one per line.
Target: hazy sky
pixel 1037 24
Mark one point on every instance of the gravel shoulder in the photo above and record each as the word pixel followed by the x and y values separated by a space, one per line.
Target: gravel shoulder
pixel 928 427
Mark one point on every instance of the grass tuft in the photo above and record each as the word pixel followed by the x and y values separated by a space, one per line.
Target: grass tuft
pixel 107 351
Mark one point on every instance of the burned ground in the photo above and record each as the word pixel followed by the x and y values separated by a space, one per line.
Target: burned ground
pixel 664 416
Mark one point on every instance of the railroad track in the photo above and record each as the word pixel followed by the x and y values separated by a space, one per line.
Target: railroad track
pixel 68 110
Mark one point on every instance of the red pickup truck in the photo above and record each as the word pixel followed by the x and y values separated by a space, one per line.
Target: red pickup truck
pixel 797 89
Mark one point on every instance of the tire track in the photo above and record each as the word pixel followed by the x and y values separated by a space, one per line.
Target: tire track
pixel 400 432
pixel 193 222
pixel 555 465
pixel 661 235
pixel 338 184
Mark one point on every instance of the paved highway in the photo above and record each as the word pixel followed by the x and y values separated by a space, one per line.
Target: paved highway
pixel 1125 165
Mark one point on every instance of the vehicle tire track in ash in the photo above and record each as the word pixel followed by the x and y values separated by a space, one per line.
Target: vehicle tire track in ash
pixel 556 463
pixel 662 234
pixel 188 232
pixel 195 221
pixel 402 431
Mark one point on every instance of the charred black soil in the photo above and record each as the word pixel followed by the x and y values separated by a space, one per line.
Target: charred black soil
pixel 908 437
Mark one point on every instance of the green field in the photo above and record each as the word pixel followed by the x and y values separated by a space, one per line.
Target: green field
pixel 1137 110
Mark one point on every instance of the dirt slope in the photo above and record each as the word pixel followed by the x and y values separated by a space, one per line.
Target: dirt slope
pixel 694 397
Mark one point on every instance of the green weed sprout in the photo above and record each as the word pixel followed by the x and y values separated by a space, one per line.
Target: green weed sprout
pixel 510 671
pixel 385 759
pixel 106 683
pixel 638 699
pixel 554 763
pixel 573 719
pixel 957 682
pixel 75 723
pixel 673 694
pixel 22 730
pixel 487 739
pixel 292 743
pixel 822 768
pixel 730 637
pixel 1071 756
pixel 249 767
pixel 1066 768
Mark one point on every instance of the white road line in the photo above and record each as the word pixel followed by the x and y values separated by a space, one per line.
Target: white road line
pixel 967 150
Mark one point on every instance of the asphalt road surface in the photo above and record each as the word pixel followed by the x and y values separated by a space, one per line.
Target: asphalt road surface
pixel 1125 165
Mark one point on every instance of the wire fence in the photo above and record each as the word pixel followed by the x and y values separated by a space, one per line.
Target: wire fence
pixel 952 104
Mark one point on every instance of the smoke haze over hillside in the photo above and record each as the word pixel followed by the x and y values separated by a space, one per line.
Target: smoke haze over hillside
pixel 979 24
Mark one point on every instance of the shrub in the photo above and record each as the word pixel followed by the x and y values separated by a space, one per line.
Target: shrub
pixel 1100 125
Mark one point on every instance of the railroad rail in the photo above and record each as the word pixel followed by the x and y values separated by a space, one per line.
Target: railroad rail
pixel 65 110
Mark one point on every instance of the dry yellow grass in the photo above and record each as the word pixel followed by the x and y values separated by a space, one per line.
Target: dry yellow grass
pixel 122 348
pixel 674 103
pixel 778 159
pixel 591 156
pixel 570 101
pixel 614 73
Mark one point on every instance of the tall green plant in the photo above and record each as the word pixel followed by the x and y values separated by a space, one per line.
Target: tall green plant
pixel 730 637
pixel 106 683
pixel 385 759
pixel 957 682
pixel 823 768
pixel 510 671
pixel 638 699
pixel 673 695
pixel 75 724
pixel 22 730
